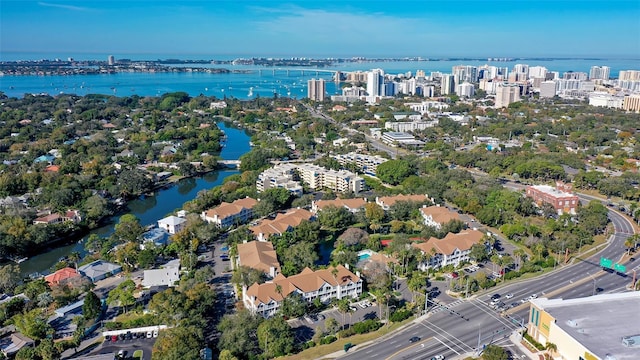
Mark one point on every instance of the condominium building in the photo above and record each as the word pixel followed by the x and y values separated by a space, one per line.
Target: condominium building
pixel 607 100
pixel 279 176
pixel 366 163
pixel 599 72
pixel 228 214
pixel 538 72
pixel 560 197
pixel 259 255
pixel 464 73
pixel 631 103
pixel 375 83
pixel 506 94
pixel 548 89
pixel 465 90
pixel 437 215
pixel 281 224
pixel 629 75
pixel 404 126
pixel 427 106
pixel 573 75
pixel 386 202
pixel 453 249
pixel 325 285
pixel 353 205
pixel 316 89
pixel 600 327
pixel 317 177
pixel 447 84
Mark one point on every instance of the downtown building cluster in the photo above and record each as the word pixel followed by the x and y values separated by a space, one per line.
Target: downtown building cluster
pixel 505 85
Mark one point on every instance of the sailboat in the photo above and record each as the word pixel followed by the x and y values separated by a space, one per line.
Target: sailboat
pixel 250 92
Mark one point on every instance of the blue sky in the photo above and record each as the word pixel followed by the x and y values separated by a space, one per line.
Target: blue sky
pixel 560 28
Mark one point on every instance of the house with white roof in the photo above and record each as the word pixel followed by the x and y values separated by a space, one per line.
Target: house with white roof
pixel 172 224
pixel 167 275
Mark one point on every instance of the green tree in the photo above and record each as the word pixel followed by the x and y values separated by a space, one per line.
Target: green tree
pixel 226 355
pixel 394 171
pixel 478 252
pixel 275 337
pixel 92 306
pixel 293 306
pixel 335 218
pixel 128 228
pixel 373 212
pixel 122 295
pixel 33 324
pixel 9 277
pixel 246 276
pixel 47 350
pixel 180 342
pixel 494 352
pixel 239 334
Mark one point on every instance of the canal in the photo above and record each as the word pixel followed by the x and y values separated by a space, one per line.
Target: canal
pixel 150 208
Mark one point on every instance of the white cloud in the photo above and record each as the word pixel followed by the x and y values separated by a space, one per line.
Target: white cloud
pixel 63 6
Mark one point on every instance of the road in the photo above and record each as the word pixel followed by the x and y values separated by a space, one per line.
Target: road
pixel 375 143
pixel 471 323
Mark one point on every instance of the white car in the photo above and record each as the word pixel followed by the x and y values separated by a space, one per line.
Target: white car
pixel 362 304
pixel 155 333
pixel 534 296
pixel 508 296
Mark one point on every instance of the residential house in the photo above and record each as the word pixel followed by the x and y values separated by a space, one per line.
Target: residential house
pixel 61 276
pixel 55 218
pixel 99 270
pixel 259 255
pixel 167 275
pixel 353 205
pixel 228 214
pixel 326 284
pixel 172 224
pixel 451 250
pixel 281 224
pixel 157 236
pixel 11 344
pixel 437 215
pixel 387 201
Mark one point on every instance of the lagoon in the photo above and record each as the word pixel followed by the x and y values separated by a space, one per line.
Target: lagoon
pixel 152 207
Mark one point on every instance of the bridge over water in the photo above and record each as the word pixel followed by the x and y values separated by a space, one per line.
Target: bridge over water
pixel 230 163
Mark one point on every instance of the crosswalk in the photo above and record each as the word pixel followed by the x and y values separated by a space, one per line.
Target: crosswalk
pixel 441 307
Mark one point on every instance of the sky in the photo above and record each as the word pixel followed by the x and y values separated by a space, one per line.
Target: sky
pixel 369 28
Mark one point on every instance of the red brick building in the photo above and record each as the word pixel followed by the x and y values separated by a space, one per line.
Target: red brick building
pixel 561 197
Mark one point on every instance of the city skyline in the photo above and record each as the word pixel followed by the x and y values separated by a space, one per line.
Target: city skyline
pixel 316 29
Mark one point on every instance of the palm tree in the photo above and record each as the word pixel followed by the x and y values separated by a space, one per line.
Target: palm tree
pixel 519 254
pixel 343 308
pixel 550 348
pixel 629 243
pixel 75 257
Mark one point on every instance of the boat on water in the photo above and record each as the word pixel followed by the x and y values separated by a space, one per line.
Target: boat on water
pixel 250 92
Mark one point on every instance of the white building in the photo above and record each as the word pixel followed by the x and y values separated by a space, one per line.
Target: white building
pixel 228 214
pixel 453 249
pixel 375 83
pixel 404 126
pixel 399 138
pixel 547 89
pixel 538 72
pixel 167 275
pixel 447 84
pixel 602 99
pixel 172 224
pixel 279 176
pixel 599 72
pixel 465 90
pixel 437 215
pixel 367 163
pixel 427 106
pixel 317 177
pixel 316 89
pixel 325 285
pixel 506 94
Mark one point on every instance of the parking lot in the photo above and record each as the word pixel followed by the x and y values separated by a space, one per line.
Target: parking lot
pixel 129 345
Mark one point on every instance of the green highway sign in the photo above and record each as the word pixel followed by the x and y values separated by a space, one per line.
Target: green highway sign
pixel 620 268
pixel 607 263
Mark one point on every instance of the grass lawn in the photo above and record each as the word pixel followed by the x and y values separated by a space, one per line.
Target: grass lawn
pixel 322 350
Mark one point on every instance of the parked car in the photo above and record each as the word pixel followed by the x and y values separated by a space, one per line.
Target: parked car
pixel 155 333
pixel 149 334
pixel 114 338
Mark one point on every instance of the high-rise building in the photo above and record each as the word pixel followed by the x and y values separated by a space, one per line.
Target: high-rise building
pixel 572 75
pixel 464 73
pixel 506 94
pixel 316 89
pixel 111 60
pixel 599 72
pixel 465 89
pixel 547 89
pixel 447 84
pixel 522 70
pixel 629 75
pixel 538 72
pixel 375 82
pixel 631 103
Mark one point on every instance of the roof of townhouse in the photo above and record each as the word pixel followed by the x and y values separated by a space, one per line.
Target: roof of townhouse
pixel 440 214
pixel 347 203
pixel 172 220
pixel 60 275
pixel 307 281
pixel 225 209
pixel 390 200
pixel 462 241
pixel 282 222
pixel 48 218
pixel 258 255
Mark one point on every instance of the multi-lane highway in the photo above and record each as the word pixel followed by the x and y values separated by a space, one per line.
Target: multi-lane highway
pixel 472 323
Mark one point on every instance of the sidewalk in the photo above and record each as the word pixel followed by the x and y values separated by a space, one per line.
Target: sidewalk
pixel 516 339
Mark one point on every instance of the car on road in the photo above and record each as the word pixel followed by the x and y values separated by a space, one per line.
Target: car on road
pixel 414 339
pixel 508 296
pixel 534 296
pixel 495 296
pixel 438 357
